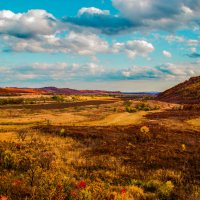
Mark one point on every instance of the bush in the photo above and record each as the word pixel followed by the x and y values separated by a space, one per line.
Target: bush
pixel 144 134
pixel 152 185
pixel 58 98
pixel 7 101
pixel 62 132
pixel 147 107
pixel 165 192
pixel 130 110
pixel 8 160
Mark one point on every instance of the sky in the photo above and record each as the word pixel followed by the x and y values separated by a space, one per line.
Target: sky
pixel 120 45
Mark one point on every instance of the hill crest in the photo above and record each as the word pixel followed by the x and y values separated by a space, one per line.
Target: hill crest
pixel 187 92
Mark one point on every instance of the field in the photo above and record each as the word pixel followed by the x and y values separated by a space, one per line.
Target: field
pixel 98 147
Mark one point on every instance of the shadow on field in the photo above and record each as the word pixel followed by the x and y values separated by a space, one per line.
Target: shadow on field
pixel 53 106
pixel 160 148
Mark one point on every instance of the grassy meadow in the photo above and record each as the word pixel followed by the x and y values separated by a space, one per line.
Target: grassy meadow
pixel 98 148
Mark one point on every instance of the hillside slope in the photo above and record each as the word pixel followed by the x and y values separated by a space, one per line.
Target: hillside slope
pixel 18 90
pixel 187 92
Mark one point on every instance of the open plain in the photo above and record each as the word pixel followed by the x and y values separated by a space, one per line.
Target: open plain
pixel 102 147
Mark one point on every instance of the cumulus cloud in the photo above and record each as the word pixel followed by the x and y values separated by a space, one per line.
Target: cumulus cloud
pixel 77 43
pixel 65 72
pixel 175 38
pixel 159 14
pixel 138 48
pixel 167 54
pixel 51 72
pixel 85 43
pixel 134 48
pixel 100 20
pixel 93 11
pixel 167 71
pixel 134 15
pixel 181 39
pixel 27 25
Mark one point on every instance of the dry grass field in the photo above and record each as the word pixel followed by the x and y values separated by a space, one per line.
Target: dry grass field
pixel 98 148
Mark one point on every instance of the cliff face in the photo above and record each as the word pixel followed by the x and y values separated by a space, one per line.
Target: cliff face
pixel 187 92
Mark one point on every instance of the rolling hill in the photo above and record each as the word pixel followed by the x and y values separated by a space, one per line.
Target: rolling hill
pixel 53 90
pixel 19 91
pixel 187 92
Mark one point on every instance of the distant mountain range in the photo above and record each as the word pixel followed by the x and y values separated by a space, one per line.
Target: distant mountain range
pixel 187 92
pixel 54 90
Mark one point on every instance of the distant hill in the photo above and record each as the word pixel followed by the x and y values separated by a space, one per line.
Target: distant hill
pixel 69 91
pixel 53 90
pixel 187 92
pixel 18 91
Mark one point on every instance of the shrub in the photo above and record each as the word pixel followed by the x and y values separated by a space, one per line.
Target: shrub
pixel 165 192
pixel 130 110
pixel 128 103
pixel 62 132
pixel 144 134
pixel 24 163
pixel 11 101
pixel 8 160
pixel 143 106
pixel 152 185
pixel 85 195
pixel 58 98
pixel 146 107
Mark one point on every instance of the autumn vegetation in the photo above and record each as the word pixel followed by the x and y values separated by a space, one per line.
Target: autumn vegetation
pixel 108 149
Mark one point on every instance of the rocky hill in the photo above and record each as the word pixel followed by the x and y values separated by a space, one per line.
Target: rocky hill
pixel 187 92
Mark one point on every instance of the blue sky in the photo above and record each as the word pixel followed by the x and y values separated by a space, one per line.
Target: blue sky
pixel 126 45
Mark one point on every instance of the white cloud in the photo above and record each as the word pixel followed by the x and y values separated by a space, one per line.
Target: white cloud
pixel 138 48
pixel 175 38
pixel 134 48
pixel 168 71
pixel 77 43
pixel 187 10
pixel 66 72
pixel 60 71
pixel 93 10
pixel 27 25
pixel 84 43
pixel 181 39
pixel 167 54
pixel 94 68
pixel 158 14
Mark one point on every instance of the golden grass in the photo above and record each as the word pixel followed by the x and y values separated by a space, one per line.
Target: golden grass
pixel 109 164
pixel 120 119
pixel 194 122
pixel 8 136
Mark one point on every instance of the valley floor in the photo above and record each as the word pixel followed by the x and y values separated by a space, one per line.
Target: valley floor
pixel 99 149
